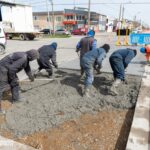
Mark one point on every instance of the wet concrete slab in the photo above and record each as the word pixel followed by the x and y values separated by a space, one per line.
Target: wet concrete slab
pixel 50 103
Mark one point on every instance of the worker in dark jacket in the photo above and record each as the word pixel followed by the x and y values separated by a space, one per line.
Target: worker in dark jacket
pixel 119 61
pixel 10 66
pixel 86 44
pixel 87 62
pixel 47 53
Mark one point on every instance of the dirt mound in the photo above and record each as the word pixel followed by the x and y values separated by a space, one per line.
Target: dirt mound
pixel 50 103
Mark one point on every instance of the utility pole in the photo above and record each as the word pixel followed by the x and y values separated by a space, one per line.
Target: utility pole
pixel 53 17
pixel 123 13
pixel 120 12
pixel 48 16
pixel 122 18
pixel 89 14
pixel 52 4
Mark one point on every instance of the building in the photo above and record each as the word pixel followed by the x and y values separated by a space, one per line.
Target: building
pixel 70 19
pixel 78 18
pixel 102 22
pixel 41 20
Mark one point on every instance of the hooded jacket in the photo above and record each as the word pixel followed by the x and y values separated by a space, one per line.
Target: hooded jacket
pixel 17 61
pixel 86 44
pixel 126 55
pixel 90 57
pixel 47 52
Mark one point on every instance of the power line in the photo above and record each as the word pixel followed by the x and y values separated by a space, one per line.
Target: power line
pixel 113 3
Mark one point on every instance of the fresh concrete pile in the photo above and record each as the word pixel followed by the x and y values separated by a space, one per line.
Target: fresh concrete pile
pixel 50 103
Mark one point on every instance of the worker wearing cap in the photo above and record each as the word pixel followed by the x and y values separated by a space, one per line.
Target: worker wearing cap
pixel 10 66
pixel 47 54
pixel 87 63
pixel 86 44
pixel 119 61
pixel 146 51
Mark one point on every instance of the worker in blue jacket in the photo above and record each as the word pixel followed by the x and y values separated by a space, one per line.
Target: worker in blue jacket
pixel 87 63
pixel 119 61
pixel 47 58
pixel 86 44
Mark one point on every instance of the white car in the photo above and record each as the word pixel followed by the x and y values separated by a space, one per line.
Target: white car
pixel 2 41
pixel 62 32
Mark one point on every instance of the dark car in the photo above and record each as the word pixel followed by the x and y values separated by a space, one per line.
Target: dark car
pixel 79 31
pixel 47 31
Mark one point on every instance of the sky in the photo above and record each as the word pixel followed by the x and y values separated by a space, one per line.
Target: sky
pixel 141 11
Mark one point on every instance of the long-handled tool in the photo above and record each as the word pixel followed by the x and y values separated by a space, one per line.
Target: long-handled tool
pixel 45 79
pixel 23 91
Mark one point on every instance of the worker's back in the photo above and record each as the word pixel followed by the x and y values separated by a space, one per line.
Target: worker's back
pixel 86 44
pixel 90 57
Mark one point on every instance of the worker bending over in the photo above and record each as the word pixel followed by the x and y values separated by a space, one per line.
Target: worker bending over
pixel 119 61
pixel 10 66
pixel 146 51
pixel 47 54
pixel 84 45
pixel 87 62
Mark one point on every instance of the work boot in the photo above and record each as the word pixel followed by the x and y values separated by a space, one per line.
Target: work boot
pixel 98 71
pixel 21 99
pixel 82 77
pixel 117 82
pixel 114 86
pixel 113 90
pixel 50 76
pixel 86 92
pixel 36 73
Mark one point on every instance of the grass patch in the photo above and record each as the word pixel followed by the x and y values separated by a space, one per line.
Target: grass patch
pixel 56 36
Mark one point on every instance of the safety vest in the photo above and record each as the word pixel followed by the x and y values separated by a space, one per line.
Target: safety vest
pixel 147 48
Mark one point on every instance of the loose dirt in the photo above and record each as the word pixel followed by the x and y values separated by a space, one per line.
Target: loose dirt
pixel 43 119
pixel 107 130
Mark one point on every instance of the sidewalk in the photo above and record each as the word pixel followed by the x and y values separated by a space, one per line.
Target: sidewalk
pixel 139 138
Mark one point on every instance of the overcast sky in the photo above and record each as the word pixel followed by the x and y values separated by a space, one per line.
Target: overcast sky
pixel 141 11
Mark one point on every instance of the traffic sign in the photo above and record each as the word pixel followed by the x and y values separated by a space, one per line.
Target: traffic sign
pixel 140 38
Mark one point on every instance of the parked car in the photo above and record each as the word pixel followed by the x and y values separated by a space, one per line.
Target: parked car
pixel 79 31
pixel 47 31
pixel 2 41
pixel 62 31
pixel 137 30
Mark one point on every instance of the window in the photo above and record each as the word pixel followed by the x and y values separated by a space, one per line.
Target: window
pixel 69 17
pixel 79 17
pixel 35 17
pixel 49 19
pixel 58 18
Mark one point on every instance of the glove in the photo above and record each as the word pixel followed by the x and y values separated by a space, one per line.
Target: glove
pixel 77 50
pixel 56 66
pixel 31 78
pixel 125 81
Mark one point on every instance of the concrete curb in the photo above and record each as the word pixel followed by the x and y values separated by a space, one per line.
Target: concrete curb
pixel 7 144
pixel 139 137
